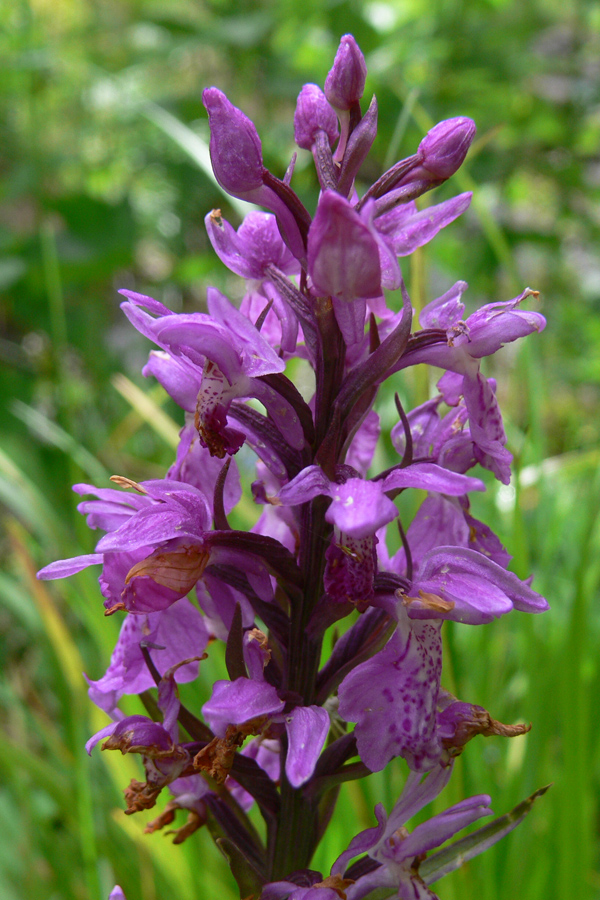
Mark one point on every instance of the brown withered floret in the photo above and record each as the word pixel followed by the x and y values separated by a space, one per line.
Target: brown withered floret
pixel 140 795
pixel 193 823
pixel 335 883
pixel 217 757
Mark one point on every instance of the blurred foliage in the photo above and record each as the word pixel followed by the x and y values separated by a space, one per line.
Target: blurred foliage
pixel 98 192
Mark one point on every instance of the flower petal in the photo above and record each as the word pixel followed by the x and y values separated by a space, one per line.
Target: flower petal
pixel 236 702
pixel 360 507
pixel 307 729
pixel 392 698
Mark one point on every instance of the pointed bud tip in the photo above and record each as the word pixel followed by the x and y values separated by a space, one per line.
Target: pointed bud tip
pixel 345 82
pixel 235 147
pixel 444 147
pixel 313 114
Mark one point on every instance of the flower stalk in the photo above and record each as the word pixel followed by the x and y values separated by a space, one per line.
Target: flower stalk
pixel 286 729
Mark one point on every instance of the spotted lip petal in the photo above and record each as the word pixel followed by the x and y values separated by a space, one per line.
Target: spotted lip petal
pixel 392 697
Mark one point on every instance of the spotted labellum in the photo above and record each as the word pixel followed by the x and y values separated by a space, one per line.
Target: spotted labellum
pixel 288 725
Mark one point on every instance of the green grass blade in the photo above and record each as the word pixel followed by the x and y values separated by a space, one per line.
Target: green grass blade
pixel 51 433
pixel 27 502
pixel 148 410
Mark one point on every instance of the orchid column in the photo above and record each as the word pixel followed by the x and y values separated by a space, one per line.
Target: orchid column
pixel 279 731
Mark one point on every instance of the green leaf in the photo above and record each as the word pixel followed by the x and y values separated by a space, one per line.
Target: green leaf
pixel 460 852
pixel 234 650
pixel 248 879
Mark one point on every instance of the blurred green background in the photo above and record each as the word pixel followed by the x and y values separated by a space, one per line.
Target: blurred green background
pixel 104 185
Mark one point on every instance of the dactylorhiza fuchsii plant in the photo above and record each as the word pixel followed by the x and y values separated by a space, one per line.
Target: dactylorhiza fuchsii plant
pixel 286 729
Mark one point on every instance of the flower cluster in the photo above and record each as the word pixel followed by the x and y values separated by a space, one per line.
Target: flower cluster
pixel 284 730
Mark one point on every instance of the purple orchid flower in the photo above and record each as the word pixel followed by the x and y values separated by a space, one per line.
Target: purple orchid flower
pixel 249 252
pixel 251 249
pixel 163 757
pixel 243 700
pixel 177 633
pixel 315 551
pixel 254 699
pixel 472 588
pixel 465 343
pixel 221 356
pixel 359 508
pixel 398 851
pixel 155 557
pixel 393 697
pixel 159 553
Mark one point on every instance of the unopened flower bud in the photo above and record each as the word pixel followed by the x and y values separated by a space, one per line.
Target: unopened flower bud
pixel 345 82
pixel 235 147
pixel 444 148
pixel 117 893
pixel 313 114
